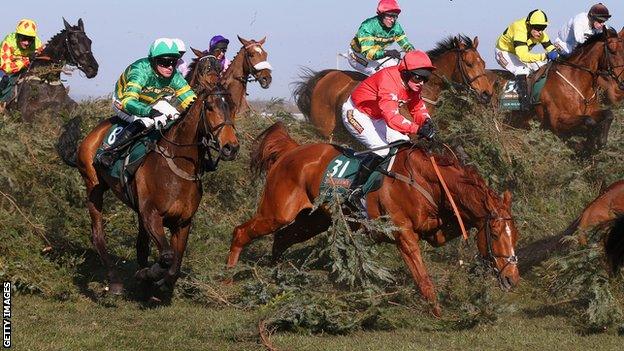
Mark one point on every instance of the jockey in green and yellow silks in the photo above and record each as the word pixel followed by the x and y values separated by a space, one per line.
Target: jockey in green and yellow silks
pixel 514 45
pixel 367 53
pixel 141 93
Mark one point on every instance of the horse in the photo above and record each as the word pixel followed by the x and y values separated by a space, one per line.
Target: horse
pixel 607 210
pixel 569 103
pixel 250 61
pixel 320 95
pixel 413 199
pixel 166 188
pixel 40 87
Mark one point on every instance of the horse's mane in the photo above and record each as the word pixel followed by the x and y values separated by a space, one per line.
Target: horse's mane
pixel 449 43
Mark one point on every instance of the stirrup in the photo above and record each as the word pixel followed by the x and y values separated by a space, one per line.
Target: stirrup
pixel 356 199
pixel 106 158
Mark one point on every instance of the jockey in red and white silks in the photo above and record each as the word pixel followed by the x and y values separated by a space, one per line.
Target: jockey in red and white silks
pixel 371 114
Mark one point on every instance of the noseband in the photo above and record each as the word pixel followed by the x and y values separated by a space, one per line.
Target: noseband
pixel 252 71
pixel 490 260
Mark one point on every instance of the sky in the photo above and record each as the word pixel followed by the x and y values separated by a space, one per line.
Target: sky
pixel 300 33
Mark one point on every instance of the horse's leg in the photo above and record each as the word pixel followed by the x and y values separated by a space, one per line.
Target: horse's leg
pixel 603 128
pixel 95 195
pixel 306 226
pixel 179 239
pixel 153 224
pixel 243 234
pixel 406 241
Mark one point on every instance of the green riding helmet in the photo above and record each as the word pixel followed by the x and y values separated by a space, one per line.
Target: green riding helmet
pixel 164 47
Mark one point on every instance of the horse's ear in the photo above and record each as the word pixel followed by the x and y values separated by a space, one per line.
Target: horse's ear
pixel 621 33
pixel 81 24
pixel 197 53
pixel 507 199
pixel 67 25
pixel 261 42
pixel 475 42
pixel 243 41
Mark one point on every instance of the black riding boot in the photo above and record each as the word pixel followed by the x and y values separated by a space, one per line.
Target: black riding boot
pixel 523 92
pixel 111 152
pixel 4 82
pixel 368 165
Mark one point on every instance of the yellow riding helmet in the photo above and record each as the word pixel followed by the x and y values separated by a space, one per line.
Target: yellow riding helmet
pixel 26 27
pixel 537 17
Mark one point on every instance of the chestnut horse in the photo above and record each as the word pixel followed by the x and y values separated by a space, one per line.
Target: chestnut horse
pixel 40 87
pixel 294 174
pixel 250 61
pixel 606 210
pixel 166 188
pixel 569 103
pixel 320 95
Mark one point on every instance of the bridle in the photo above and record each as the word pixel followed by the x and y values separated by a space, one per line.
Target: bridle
pixel 210 134
pixel 68 46
pixel 466 80
pixel 609 72
pixel 251 68
pixel 491 257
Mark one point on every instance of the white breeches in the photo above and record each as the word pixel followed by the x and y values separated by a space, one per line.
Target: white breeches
pixel 372 66
pixel 512 63
pixel 368 131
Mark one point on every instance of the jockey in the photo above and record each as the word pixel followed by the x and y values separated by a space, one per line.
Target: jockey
pixel 18 49
pixel 367 54
pixel 146 82
pixel 181 66
pixel 218 48
pixel 581 27
pixel 371 114
pixel 513 46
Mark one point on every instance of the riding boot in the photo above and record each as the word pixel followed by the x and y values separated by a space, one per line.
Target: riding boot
pixel 523 92
pixel 367 166
pixel 4 82
pixel 110 153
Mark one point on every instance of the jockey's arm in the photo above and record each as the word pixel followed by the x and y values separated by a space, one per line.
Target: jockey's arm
pixel 418 111
pixel 521 49
pixel 546 43
pixel 389 106
pixel 184 93
pixel 130 101
pixel 578 27
pixel 402 41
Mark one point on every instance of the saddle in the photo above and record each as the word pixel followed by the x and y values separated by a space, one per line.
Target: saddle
pixel 342 170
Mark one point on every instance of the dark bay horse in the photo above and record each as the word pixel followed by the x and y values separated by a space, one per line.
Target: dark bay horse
pixel 40 87
pixel 294 174
pixel 166 188
pixel 569 103
pixel 320 95
pixel 606 210
pixel 249 64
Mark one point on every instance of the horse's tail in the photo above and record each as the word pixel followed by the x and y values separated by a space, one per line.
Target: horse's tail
pixel 614 245
pixel 269 146
pixel 67 144
pixel 572 227
pixel 303 88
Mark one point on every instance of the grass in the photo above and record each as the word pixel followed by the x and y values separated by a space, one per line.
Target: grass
pixel 60 301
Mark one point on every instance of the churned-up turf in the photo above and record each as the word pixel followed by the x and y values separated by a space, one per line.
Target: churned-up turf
pixel 314 299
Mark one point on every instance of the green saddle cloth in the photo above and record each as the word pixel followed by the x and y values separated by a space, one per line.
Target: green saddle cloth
pixel 131 158
pixel 341 172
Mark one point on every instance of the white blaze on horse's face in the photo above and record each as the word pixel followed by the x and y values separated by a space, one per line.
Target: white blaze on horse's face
pixel 258 49
pixel 507 229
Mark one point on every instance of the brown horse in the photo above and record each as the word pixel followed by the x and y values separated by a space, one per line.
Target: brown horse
pixel 250 61
pixel 166 188
pixel 320 95
pixel 606 210
pixel 569 103
pixel 294 174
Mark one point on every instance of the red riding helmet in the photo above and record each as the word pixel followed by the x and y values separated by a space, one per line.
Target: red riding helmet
pixel 599 12
pixel 415 60
pixel 388 6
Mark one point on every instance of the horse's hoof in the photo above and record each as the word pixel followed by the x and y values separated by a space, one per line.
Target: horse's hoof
pixel 115 289
pixel 437 311
pixel 154 300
